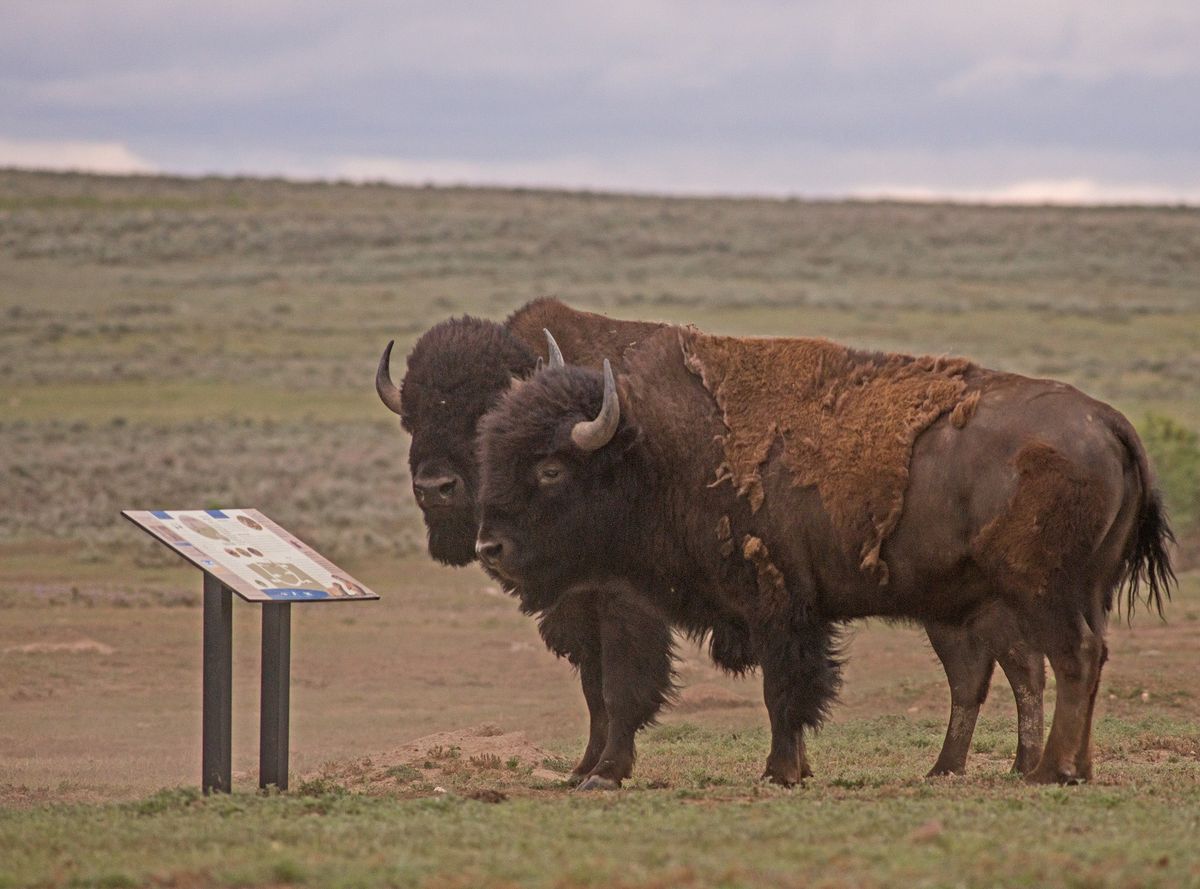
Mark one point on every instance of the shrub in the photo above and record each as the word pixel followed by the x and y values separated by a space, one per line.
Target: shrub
pixel 1174 452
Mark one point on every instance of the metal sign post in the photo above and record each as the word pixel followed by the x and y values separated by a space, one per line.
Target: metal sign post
pixel 216 757
pixel 242 551
pixel 276 674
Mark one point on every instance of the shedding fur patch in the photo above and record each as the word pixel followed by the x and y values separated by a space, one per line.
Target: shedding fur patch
pixel 965 410
pixel 846 420
pixel 1048 527
pixel 724 537
pixel 772 589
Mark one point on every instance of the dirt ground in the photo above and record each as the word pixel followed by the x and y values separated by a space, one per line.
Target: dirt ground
pixel 100 694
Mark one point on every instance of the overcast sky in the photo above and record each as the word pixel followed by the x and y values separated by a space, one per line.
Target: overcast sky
pixel 1083 100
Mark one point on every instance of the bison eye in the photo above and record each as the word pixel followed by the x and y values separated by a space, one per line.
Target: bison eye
pixel 551 472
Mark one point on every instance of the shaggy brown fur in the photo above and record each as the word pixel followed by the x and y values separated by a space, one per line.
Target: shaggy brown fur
pixel 961 415
pixel 774 598
pixel 847 421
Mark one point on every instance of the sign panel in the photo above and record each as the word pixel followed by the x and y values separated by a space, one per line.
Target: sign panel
pixel 250 554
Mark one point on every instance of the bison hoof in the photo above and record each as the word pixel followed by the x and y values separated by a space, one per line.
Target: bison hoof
pixel 575 779
pixel 1045 775
pixel 780 780
pixel 599 782
pixel 1023 765
pixel 939 771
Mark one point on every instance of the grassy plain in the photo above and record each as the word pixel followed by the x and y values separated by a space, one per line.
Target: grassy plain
pixel 212 342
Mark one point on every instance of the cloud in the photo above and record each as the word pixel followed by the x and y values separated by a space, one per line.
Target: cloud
pixel 701 96
pixel 1038 191
pixel 91 157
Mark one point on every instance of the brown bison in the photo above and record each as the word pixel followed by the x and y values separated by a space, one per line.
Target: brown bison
pixel 783 486
pixel 622 647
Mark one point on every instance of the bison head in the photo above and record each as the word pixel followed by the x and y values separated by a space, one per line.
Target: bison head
pixel 456 372
pixel 560 484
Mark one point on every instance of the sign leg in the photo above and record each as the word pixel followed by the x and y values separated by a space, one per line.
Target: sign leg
pixel 276 679
pixel 216 758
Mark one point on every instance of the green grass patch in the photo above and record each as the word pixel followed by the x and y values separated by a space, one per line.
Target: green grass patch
pixel 706 821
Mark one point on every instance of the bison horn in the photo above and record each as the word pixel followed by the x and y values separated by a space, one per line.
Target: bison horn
pixel 388 393
pixel 591 435
pixel 556 359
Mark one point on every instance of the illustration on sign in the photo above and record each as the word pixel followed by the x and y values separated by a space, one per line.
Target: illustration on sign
pixel 250 554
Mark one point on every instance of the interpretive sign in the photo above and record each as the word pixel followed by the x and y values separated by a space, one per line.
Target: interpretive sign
pixel 242 551
pixel 250 554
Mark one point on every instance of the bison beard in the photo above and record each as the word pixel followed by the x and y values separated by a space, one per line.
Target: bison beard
pixel 1011 473
pixel 451 536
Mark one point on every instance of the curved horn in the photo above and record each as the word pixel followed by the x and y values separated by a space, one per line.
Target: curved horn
pixel 556 359
pixel 591 435
pixel 388 393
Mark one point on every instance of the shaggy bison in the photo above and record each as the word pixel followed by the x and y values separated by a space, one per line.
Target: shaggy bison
pixel 620 645
pixel 456 371
pixel 781 486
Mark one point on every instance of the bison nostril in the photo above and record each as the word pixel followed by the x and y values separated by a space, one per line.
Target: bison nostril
pixel 438 491
pixel 489 551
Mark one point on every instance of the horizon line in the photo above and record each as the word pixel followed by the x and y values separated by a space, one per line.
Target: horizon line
pixel 920 196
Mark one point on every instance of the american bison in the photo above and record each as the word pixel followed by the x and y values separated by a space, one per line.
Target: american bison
pixel 456 371
pixel 785 485
pixel 621 646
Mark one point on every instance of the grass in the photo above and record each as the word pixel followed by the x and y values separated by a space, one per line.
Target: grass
pixel 696 817
pixel 179 310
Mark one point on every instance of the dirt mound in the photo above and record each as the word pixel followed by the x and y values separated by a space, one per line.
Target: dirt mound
pixel 79 646
pixel 469 761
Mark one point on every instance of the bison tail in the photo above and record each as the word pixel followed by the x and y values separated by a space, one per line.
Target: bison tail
pixel 1148 563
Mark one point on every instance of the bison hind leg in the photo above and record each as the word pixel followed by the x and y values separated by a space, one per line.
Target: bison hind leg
pixel 968 664
pixel 1077 657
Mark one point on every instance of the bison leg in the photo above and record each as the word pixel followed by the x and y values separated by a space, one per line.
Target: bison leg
pixel 1076 661
pixel 571 629
pixel 591 677
pixel 801 751
pixel 969 665
pixel 637 660
pixel 800 679
pixel 1026 673
pixel 1083 759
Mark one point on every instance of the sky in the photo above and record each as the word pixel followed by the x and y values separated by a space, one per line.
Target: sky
pixel 1079 101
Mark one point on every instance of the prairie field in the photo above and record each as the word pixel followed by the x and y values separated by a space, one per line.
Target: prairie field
pixel 212 342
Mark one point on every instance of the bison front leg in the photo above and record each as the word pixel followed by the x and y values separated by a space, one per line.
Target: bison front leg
pixel 800 680
pixel 591 677
pixel 637 660
pixel 968 664
pixel 572 630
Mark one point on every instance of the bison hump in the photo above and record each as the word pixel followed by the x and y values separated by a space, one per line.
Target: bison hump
pixel 846 421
